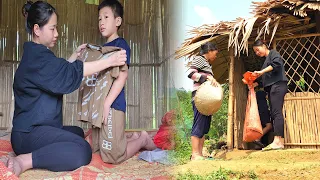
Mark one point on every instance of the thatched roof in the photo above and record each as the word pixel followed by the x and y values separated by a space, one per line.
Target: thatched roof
pixel 271 19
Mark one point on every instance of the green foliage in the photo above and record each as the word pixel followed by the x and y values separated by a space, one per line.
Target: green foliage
pixel 221 174
pixel 186 109
pixel 181 154
pixel 188 176
pixel 252 175
pixel 184 122
pixel 220 118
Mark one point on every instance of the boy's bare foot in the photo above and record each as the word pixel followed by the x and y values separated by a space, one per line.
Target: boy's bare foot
pixel 149 142
pixel 134 136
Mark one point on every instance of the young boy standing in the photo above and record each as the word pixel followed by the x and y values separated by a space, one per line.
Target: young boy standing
pixel 119 148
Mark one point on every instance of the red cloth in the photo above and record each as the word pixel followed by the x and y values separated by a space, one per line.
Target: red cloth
pixel 164 138
pixel 249 78
pixel 5 174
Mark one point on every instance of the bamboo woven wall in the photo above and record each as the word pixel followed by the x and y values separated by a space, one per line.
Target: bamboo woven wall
pixel 302 104
pixel 302 123
pixel 147 26
pixel 146 29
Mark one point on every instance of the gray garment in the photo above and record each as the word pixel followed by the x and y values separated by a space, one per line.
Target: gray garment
pixel 157 155
pixel 278 73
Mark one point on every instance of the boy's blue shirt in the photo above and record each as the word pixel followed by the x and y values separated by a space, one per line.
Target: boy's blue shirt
pixel 120 102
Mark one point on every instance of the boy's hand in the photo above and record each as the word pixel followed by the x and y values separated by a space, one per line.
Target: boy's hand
pixel 119 58
pixel 80 49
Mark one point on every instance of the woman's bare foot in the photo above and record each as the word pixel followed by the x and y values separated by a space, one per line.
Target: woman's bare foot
pixel 4 160
pixel 19 164
pixel 149 142
pixel 15 166
pixel 277 143
pixel 276 146
pixel 196 156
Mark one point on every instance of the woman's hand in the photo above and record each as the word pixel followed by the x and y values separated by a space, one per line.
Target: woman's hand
pixel 253 85
pixel 258 73
pixel 213 81
pixel 80 49
pixel 116 59
pixel 119 58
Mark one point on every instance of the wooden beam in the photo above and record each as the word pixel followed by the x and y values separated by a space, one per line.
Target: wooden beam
pixel 230 142
pixel 145 65
pixel 298 36
pixel 302 144
pixel 297 29
pixel 301 98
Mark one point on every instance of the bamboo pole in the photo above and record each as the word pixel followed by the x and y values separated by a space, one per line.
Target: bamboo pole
pixel 288 122
pixel 301 98
pixel 317 114
pixel 235 125
pixel 274 44
pixel 302 144
pixel 231 101
pixel 312 120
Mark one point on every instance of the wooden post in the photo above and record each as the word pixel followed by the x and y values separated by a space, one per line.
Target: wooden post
pixel 317 15
pixel 274 44
pixel 317 21
pixel 235 119
pixel 231 101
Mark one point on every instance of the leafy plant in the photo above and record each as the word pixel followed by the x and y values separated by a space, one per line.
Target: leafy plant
pixel 301 83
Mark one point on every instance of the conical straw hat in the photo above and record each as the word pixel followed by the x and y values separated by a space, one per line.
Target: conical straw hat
pixel 208 99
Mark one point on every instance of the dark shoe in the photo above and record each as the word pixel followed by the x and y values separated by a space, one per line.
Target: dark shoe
pixel 257 142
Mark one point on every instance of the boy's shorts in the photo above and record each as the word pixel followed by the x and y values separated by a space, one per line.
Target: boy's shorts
pixel 201 123
pixel 112 139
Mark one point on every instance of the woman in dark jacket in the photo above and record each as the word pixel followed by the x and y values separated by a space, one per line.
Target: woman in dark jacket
pixel 38 136
pixel 274 81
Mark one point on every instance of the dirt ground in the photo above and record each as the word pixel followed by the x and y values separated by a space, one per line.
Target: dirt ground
pixel 279 165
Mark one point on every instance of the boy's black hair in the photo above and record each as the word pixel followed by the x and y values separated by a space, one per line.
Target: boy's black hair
pixel 115 5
